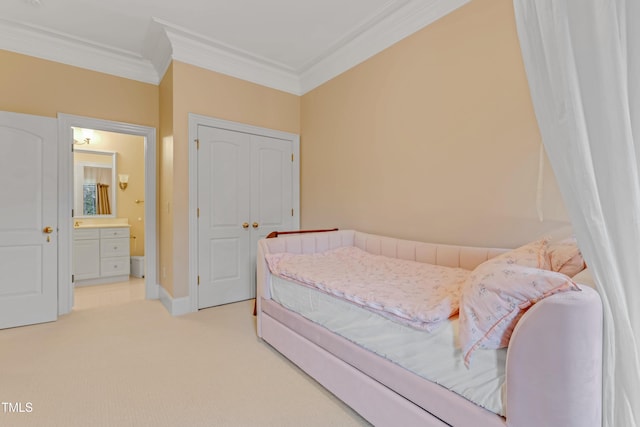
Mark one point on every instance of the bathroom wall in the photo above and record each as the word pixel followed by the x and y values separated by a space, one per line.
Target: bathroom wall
pixel 129 161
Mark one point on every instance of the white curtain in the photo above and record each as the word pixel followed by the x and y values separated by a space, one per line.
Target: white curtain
pixel 90 175
pixel 582 59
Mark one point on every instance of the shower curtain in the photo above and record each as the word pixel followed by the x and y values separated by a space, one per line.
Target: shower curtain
pixel 104 207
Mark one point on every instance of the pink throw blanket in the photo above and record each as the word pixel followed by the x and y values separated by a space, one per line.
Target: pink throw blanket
pixel 414 293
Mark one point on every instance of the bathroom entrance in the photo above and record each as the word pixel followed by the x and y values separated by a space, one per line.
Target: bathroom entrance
pixel 107 199
pixel 108 217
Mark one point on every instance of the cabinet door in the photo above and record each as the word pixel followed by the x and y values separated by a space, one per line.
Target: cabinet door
pixel 86 259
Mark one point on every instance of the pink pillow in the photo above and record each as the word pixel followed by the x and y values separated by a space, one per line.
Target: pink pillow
pixel 565 257
pixel 495 296
pixel 532 254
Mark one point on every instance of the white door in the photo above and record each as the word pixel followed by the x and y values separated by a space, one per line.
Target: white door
pixel 224 205
pixel 244 192
pixel 28 219
pixel 271 192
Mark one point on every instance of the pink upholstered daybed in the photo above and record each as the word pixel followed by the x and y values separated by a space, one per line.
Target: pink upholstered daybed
pixel 550 374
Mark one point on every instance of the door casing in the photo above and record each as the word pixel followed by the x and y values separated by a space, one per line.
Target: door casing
pixel 65 201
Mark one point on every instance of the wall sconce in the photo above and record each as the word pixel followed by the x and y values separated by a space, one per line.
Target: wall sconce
pixel 123 180
pixel 82 142
pixel 84 136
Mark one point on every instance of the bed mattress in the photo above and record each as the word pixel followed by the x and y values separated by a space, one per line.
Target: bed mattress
pixel 434 355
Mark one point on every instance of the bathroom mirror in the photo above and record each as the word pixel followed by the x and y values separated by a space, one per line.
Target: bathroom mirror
pixel 94 182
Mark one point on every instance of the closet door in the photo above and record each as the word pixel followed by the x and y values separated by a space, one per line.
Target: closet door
pixel 224 203
pixel 245 191
pixel 271 191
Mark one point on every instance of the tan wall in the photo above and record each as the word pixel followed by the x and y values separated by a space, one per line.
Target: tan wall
pixel 165 183
pixel 130 161
pixel 196 90
pixel 36 86
pixel 433 139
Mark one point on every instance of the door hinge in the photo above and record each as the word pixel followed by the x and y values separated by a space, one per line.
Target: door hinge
pixel 73 278
pixel 72 213
pixel 197 143
pixel 291 212
pixel 292 157
pixel 198 212
pixel 198 280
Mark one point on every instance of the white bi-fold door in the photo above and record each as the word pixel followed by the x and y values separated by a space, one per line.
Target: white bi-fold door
pixel 28 220
pixel 245 191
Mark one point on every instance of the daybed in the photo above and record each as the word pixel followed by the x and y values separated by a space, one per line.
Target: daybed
pixel 551 376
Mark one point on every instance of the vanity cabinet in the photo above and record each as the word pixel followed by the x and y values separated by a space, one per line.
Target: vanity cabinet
pixel 86 254
pixel 100 255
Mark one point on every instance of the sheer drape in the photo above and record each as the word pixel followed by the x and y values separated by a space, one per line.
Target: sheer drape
pixel 582 59
pixel 90 174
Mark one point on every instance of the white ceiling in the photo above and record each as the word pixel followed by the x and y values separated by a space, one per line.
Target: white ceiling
pixel 290 45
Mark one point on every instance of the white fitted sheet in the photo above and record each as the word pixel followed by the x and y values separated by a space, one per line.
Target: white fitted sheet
pixel 431 355
pixel 416 294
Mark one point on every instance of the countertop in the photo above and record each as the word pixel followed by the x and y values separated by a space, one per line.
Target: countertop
pixel 81 226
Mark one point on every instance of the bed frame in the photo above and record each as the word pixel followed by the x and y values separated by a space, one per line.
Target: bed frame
pixel 553 367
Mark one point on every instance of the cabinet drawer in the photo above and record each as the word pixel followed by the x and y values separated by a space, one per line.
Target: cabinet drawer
pixel 108 233
pixel 114 247
pixel 85 234
pixel 114 266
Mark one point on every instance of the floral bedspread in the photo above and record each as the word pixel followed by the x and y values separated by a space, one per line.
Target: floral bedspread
pixel 413 293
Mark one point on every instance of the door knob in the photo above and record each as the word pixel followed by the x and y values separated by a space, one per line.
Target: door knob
pixel 48 230
pixel 255 225
pixel 245 225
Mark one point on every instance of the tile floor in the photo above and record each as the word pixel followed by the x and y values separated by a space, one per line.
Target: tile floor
pixel 92 296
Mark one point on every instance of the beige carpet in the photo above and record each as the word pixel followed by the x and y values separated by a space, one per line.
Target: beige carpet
pixel 134 365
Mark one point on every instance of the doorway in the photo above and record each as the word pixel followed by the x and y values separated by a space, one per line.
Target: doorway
pixel 142 214
pixel 108 218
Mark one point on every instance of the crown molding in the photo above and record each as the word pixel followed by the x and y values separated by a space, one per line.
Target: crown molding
pixel 166 42
pixel 390 25
pixel 389 8
pixel 410 18
pixel 66 49
pixel 210 54
pixel 157 48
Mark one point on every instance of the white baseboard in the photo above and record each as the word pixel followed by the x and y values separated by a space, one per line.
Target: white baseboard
pixel 153 291
pixel 101 280
pixel 175 306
